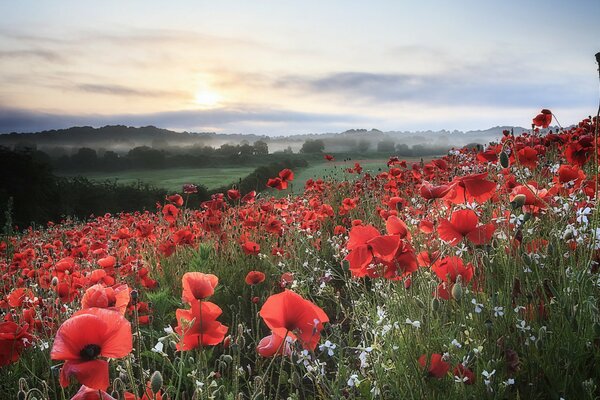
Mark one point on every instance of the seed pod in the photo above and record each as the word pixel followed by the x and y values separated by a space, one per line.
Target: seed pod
pixel 457 291
pixel 156 382
pixel 518 201
pixel 504 159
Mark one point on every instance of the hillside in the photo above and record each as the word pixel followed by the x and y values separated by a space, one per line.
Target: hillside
pixel 472 276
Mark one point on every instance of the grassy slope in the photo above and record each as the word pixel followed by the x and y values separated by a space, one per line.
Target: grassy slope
pixel 172 179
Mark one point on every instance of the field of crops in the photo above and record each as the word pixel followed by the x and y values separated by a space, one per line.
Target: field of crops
pixel 471 276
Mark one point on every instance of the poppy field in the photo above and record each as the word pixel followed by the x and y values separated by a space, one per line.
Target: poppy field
pixel 471 276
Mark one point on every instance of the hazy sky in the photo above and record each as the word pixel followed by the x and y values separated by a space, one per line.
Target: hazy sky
pixel 284 67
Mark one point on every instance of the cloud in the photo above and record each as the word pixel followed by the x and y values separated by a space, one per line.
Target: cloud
pixel 46 55
pixel 119 90
pixel 469 86
pixel 239 119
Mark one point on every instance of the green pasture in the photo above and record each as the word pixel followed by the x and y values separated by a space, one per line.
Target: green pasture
pixel 172 179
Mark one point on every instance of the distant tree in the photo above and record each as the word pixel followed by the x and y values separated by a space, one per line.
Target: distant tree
pixel 363 145
pixel 85 158
pixel 246 150
pixel 312 146
pixel 261 148
pixel 386 146
pixel 146 157
pixel 403 150
pixel 288 150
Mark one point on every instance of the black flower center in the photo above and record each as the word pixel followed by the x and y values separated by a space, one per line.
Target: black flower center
pixel 90 352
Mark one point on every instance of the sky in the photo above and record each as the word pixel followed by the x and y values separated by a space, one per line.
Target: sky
pixel 291 67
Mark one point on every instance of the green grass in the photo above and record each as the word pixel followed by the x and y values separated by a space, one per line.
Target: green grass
pixel 172 179
pixel 337 170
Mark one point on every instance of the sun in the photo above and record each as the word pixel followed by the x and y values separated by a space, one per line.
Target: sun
pixel 207 98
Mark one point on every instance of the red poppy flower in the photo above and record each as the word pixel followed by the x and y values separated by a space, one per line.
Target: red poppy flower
pixel 437 367
pixel 528 157
pixel 86 393
pixel 472 188
pixel 147 395
pixel 329 157
pixel 198 286
pixel 87 335
pixel 170 213
pixel 205 330
pixel 255 277
pixel 287 313
pixel 449 268
pixel 107 262
pixel 250 248
pixel 463 223
pixel 114 298
pixel 568 173
pixel 233 194
pixel 365 243
pixel 176 199
pixel 429 191
pixel 543 119
pixel 276 183
pixel 13 339
pixel 273 345
pixel 249 197
pixel 286 175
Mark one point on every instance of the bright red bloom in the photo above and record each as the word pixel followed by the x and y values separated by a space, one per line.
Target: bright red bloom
pixel 273 345
pixel 255 277
pixel 286 175
pixel 366 243
pixel 86 393
pixel 276 183
pixel 329 157
pixel 463 223
pixel 205 330
pixel 107 262
pixel 528 157
pixel 170 213
pixel 233 194
pixel 449 268
pixel 115 298
pixel 568 173
pixel 87 335
pixel 13 339
pixel 472 188
pixel 287 313
pixel 147 395
pixel 437 367
pixel 176 199
pixel 429 192
pixel 198 286
pixel 250 248
pixel 543 119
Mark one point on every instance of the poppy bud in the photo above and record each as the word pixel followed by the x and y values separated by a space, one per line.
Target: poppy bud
pixel 504 159
pixel 407 283
pixel 255 299
pixel 457 291
pixel 526 217
pixel 21 395
pixel 227 342
pixel 435 304
pixel 156 382
pixel 518 201
pixel 488 325
pixel 134 296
